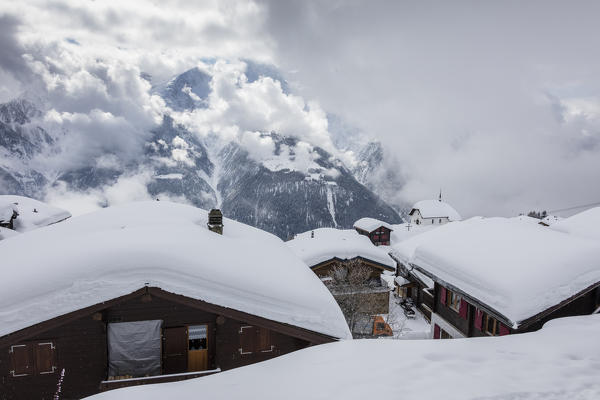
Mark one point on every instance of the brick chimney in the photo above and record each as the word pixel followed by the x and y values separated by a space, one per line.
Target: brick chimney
pixel 215 221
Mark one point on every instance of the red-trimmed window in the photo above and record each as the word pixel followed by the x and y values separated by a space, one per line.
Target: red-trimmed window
pixel 436 331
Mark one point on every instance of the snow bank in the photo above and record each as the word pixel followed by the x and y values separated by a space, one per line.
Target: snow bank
pixel 370 224
pixel 515 268
pixel 115 251
pixel 585 224
pixel 32 213
pixel 345 244
pixel 436 209
pixel 556 363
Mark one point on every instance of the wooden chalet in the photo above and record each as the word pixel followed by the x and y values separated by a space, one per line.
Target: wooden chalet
pixel 325 249
pixel 152 295
pixel 377 231
pixel 147 336
pixel 535 271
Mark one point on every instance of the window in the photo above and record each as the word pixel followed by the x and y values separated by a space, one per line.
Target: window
pixel 490 325
pixel 197 337
pixel 440 220
pixel 32 359
pixel 445 335
pixel 453 300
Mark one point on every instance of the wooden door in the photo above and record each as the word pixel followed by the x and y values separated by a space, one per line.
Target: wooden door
pixel 197 348
pixel 175 357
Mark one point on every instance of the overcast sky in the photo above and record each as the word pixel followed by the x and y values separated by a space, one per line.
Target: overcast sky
pixel 497 103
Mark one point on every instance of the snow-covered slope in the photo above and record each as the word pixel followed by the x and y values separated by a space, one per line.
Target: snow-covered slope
pixel 556 363
pixel 293 187
pixel 109 253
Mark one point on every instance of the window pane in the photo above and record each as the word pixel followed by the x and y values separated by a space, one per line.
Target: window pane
pixel 197 336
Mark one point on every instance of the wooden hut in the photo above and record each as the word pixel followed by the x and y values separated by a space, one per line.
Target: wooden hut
pixel 146 293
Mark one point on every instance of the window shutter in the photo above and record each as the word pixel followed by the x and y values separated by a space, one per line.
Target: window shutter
pixel 45 358
pixel 248 339
pixel 264 340
pixel 436 332
pixel 504 330
pixel 443 295
pixel 20 360
pixel 478 318
pixel 464 308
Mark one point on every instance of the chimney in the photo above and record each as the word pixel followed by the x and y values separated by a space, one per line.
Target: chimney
pixel 215 221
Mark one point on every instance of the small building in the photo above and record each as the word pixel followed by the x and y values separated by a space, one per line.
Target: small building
pixel 22 214
pixel 326 249
pixel 432 212
pixel 146 293
pixel 378 231
pixel 498 276
pixel 8 213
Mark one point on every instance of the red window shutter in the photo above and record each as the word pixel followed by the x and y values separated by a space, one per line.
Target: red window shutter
pixel 443 295
pixel 478 319
pixel 464 307
pixel 45 358
pixel 20 360
pixel 504 330
pixel 436 332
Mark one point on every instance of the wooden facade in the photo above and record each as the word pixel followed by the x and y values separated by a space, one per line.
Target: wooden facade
pixel 456 314
pixel 375 295
pixel 379 237
pixel 75 346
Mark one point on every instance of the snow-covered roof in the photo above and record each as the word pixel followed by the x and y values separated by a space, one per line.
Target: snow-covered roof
pixel 7 212
pixel 558 362
pixel 551 219
pixel 6 233
pixel 517 269
pixel 112 252
pixel 585 224
pixel 405 231
pixel 344 244
pixel 526 219
pixel 32 213
pixel 436 209
pixel 370 224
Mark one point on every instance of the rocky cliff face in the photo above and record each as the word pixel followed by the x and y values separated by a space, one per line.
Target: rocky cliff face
pixel 275 192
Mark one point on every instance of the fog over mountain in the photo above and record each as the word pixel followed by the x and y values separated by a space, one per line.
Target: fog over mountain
pixel 107 102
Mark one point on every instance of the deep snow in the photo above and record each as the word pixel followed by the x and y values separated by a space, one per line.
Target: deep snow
pixel 559 362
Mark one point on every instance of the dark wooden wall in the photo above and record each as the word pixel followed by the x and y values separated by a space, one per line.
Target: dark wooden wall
pixel 82 348
pixel 450 315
